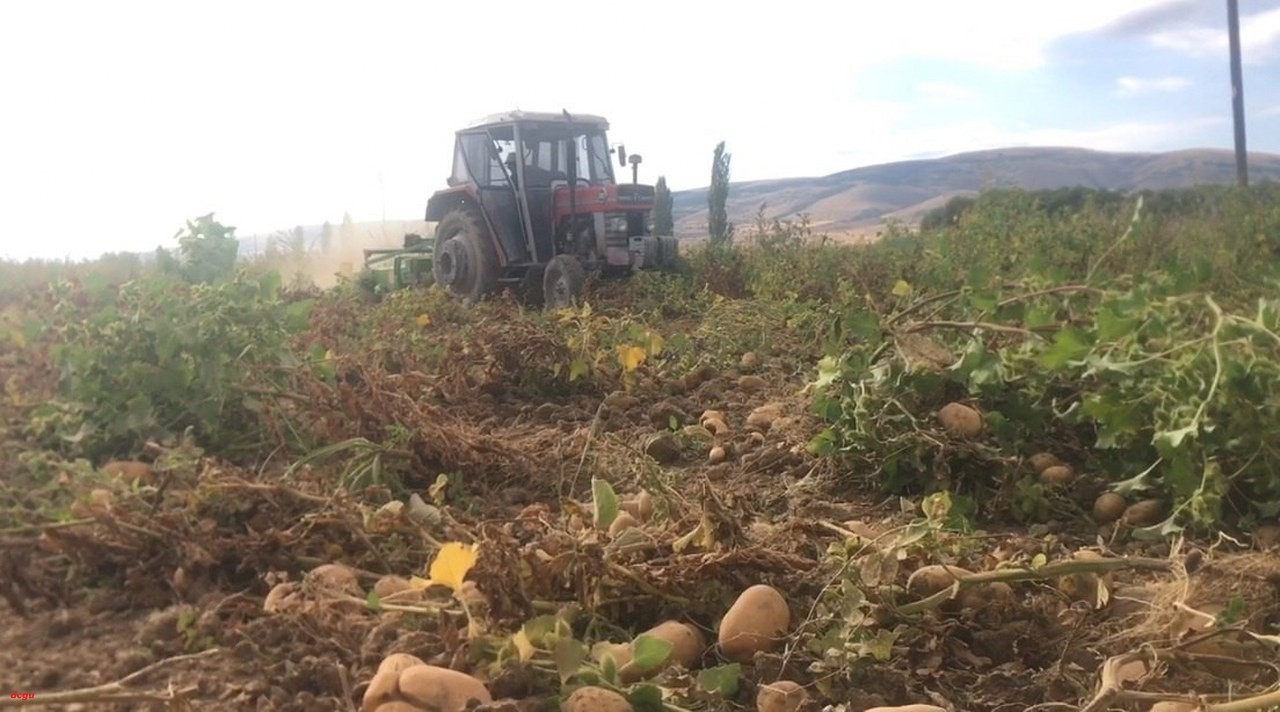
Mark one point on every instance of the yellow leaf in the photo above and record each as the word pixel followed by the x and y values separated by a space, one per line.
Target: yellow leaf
pixel 452 564
pixel 424 320
pixel 523 646
pixel 656 344
pixel 418 583
pixel 630 357
pixel 901 288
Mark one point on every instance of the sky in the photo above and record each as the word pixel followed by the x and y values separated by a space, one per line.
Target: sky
pixel 119 121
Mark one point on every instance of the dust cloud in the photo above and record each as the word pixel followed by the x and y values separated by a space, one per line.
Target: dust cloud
pixel 321 255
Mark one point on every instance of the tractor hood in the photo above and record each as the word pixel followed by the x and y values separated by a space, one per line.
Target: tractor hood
pixel 606 198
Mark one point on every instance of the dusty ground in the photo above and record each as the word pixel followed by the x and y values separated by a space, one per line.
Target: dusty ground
pixel 182 568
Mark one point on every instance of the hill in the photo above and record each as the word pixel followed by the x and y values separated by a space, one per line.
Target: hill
pixel 860 199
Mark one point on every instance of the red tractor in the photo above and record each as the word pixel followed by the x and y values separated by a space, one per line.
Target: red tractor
pixel 533 204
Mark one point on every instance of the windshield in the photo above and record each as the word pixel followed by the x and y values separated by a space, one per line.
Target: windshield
pixel 544 150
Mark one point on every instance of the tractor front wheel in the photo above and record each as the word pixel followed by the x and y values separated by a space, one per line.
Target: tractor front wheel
pixel 463 260
pixel 562 282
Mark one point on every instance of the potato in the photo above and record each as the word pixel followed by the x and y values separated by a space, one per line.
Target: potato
pixel 1144 513
pixel 399 662
pixel 1057 476
pixel 100 501
pixel 716 426
pixel 397 707
pixel 751 384
pixel 383 688
pixel 130 471
pixel 1042 461
pixel 621 523
pixel 596 699
pixel 640 507
pixel 716 455
pixel 960 420
pixel 711 415
pixel 1266 536
pixel 334 579
pixel 749 361
pixel 390 585
pixel 928 580
pixel 1109 507
pixel 757 621
pixel 687 644
pixel 441 688
pixel 763 418
pixel 780 696
pixel 986 594
pixel 908 708
pixel 1083 586
pixel 282 597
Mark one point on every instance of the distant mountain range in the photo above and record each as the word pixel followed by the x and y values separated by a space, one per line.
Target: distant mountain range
pixel 858 200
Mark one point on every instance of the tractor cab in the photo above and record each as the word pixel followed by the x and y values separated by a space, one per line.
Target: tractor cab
pixel 540 194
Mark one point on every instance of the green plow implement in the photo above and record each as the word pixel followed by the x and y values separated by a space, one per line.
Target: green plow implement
pixel 389 269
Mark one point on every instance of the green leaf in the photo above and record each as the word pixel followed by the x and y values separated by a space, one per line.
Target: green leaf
pixel 722 680
pixel 646 698
pixel 901 288
pixel 828 371
pixel 568 656
pixel 864 326
pixel 604 501
pixel 577 369
pixel 1068 345
pixel 650 652
pixel 373 601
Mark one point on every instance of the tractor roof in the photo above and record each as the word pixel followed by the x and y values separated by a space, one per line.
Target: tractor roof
pixel 548 117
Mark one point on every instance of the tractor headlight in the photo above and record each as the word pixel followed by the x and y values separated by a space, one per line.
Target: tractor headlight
pixel 615 224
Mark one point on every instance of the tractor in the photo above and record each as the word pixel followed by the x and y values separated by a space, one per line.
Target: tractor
pixel 533 205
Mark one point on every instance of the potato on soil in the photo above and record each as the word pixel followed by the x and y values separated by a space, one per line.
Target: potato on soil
pixel 441 688
pixel 1109 507
pixel 639 506
pixel 596 699
pixel 399 662
pixel 711 415
pixel 383 688
pixel 716 455
pixel 751 384
pixel 282 597
pixel 928 580
pixel 1057 476
pixel 749 361
pixel 1042 461
pixel 762 418
pixel 1083 586
pixel 757 621
pixel 1267 536
pixel 1144 513
pixel 716 426
pixel 621 523
pixel 780 696
pixel 960 420
pixel 130 471
pixel 687 644
pixel 390 585
pixel 334 580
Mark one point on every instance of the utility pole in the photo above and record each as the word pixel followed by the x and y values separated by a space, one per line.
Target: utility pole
pixel 1237 93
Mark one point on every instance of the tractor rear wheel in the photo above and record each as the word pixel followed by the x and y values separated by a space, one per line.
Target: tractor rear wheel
pixel 562 282
pixel 464 261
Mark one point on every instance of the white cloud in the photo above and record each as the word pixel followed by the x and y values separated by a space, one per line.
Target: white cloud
pixel 943 92
pixel 1259 38
pixel 1132 86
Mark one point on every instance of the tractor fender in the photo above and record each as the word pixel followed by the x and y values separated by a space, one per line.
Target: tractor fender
pixel 445 201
